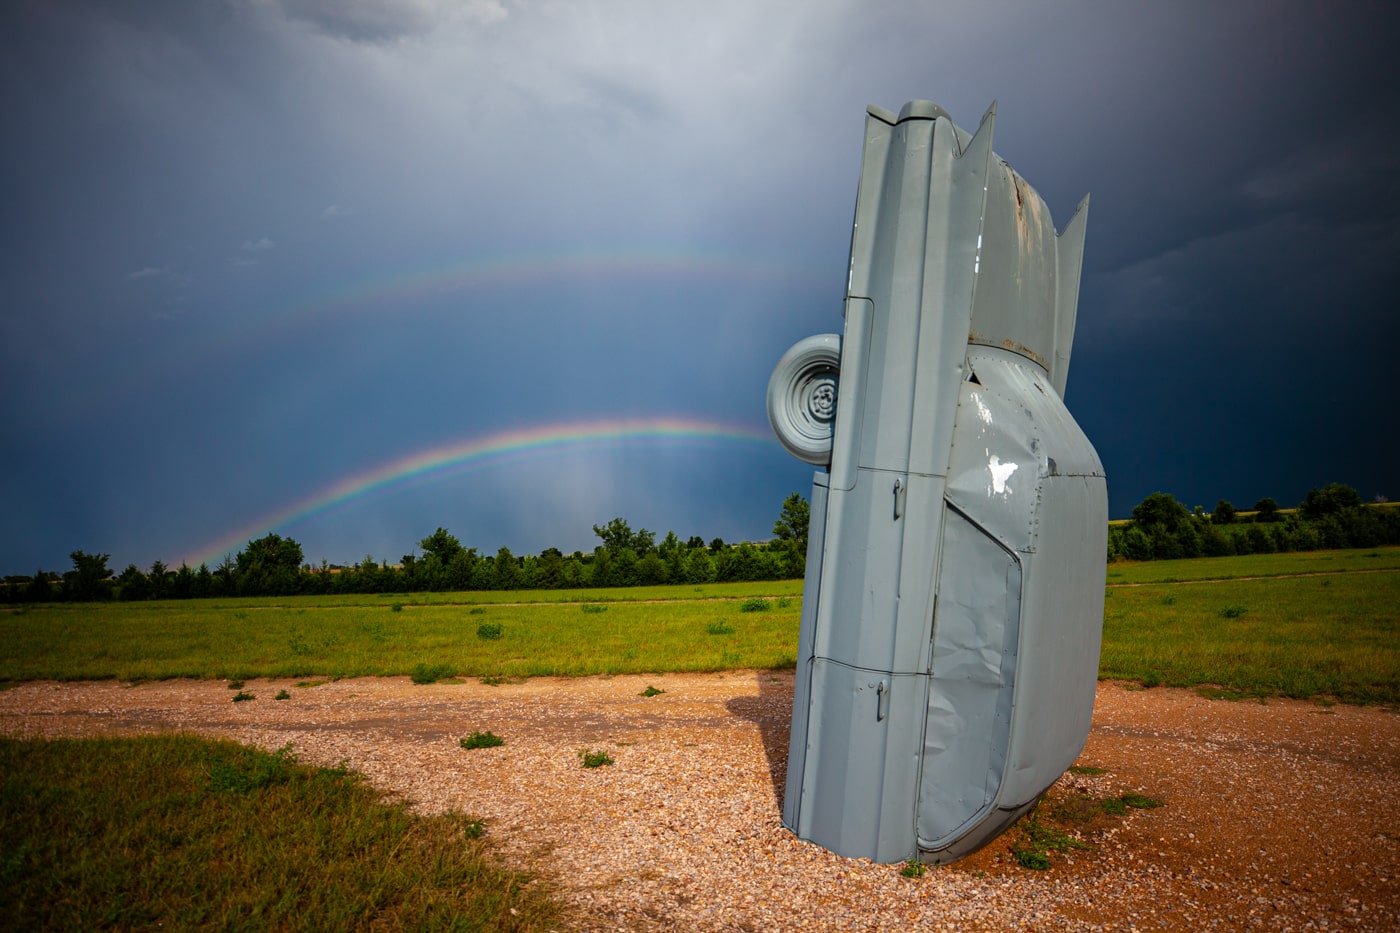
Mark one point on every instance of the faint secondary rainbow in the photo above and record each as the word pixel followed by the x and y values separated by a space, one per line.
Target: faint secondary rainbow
pixel 474 452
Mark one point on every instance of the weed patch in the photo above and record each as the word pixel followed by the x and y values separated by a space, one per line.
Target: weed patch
pixel 282 695
pixel 424 673
pixel 593 759
pixel 487 739
pixel 489 631
pixel 720 627
pixel 651 691
pixel 913 869
pixel 1232 612
pixel 755 605
pixel 592 608
pixel 242 696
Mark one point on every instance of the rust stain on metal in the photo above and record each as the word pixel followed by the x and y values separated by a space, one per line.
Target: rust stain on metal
pixel 1021 348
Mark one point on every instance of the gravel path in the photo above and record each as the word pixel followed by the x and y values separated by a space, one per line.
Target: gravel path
pixel 1277 816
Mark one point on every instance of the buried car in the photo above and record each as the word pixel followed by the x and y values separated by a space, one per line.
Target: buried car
pixel 953 599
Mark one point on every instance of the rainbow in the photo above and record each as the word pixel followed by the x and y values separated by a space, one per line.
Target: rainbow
pixel 474 452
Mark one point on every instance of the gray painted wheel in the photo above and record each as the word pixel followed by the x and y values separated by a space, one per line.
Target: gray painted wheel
pixel 802 397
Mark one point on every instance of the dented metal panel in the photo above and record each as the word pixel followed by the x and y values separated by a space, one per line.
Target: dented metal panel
pixel 953 597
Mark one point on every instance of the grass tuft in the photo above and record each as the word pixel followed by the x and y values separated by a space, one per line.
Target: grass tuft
pixel 242 696
pixel 489 631
pixel 755 604
pixel 487 739
pixel 651 691
pixel 593 759
pixel 424 673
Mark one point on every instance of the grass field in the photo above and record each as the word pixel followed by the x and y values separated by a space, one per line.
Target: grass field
pixel 182 832
pixel 1312 624
pixel 185 833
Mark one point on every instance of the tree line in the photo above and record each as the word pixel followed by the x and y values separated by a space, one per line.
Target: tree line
pixel 1328 518
pixel 1161 528
pixel 275 566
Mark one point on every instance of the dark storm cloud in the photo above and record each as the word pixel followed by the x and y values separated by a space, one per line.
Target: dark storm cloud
pixel 252 247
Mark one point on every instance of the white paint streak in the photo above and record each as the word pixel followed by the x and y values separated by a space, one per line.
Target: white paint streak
pixel 1001 472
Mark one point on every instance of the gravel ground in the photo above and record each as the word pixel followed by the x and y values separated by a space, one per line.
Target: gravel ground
pixel 1277 815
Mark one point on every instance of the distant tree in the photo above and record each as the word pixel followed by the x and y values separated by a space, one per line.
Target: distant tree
pixel 203 582
pixel 716 545
pixel 791 532
pixel 1266 510
pixel 132 585
pixel 158 576
pixel 441 545
pixel 270 565
pixel 617 535
pixel 38 590
pixel 182 582
pixel 695 541
pixel 507 570
pixel 1331 499
pixel 87 581
pixel 652 570
pixel 549 573
pixel 1162 509
pixel 1224 513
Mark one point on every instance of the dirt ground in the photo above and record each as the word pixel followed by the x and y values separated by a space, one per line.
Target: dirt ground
pixel 1277 815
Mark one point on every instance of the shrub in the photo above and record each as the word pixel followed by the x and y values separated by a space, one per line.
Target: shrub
pixel 489 631
pixel 755 604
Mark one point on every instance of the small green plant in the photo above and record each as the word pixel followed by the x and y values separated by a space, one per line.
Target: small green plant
pixel 240 696
pixel 913 869
pixel 1151 680
pixel 1139 801
pixel 476 611
pixel 487 739
pixel 1168 600
pixel 719 628
pixel 473 829
pixel 396 607
pixel 430 673
pixel 1232 612
pixel 235 685
pixel 489 631
pixel 1086 769
pixel 755 604
pixel 1036 839
pixel 651 691
pixel 783 603
pixel 593 607
pixel 593 759
pixel 310 683
pixel 282 695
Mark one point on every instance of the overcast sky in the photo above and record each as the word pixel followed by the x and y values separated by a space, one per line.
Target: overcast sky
pixel 260 255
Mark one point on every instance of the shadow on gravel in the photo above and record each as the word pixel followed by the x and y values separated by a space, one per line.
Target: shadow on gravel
pixel 771 711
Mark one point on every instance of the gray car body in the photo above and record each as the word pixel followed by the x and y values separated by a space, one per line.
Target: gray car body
pixel 953 601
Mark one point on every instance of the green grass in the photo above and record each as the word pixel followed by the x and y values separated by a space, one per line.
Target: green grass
pixel 212 639
pixel 1335 635
pixel 182 833
pixel 1290 636
pixel 1253 565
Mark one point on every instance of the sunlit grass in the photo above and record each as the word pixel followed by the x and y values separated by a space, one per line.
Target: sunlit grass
pixel 1328 635
pixel 1296 636
pixel 177 832
pixel 656 631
